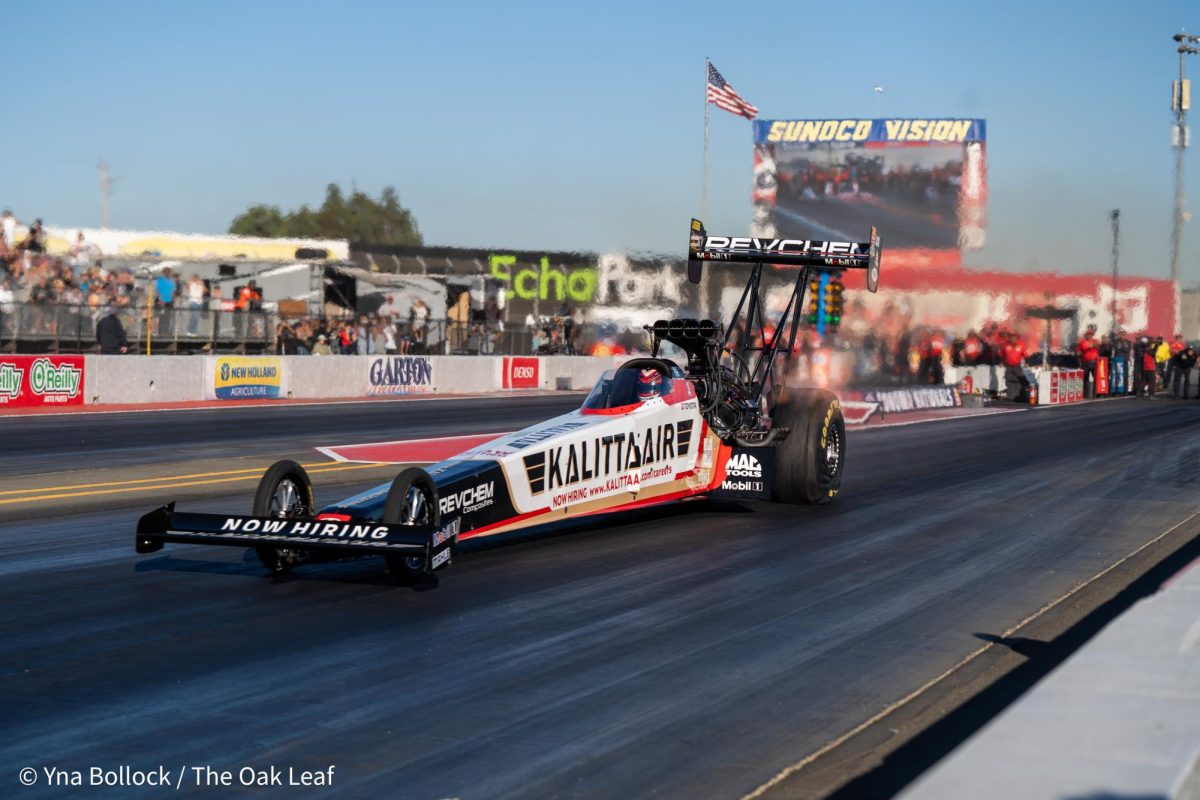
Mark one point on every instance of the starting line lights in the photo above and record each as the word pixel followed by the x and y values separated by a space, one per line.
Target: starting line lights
pixel 826 302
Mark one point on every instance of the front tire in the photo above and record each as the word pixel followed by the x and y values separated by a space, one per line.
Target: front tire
pixel 412 500
pixel 810 461
pixel 285 491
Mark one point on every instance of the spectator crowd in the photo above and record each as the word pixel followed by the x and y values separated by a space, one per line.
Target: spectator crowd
pixel 419 333
pixel 919 355
pixel 29 275
pixel 368 334
pixel 59 289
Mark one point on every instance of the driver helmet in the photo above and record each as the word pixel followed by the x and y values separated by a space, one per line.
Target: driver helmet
pixel 650 384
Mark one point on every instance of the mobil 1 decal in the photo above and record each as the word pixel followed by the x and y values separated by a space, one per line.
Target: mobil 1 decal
pixel 748 474
pixel 605 459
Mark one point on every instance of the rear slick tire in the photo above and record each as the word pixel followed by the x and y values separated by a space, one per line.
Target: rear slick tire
pixel 285 491
pixel 810 461
pixel 412 500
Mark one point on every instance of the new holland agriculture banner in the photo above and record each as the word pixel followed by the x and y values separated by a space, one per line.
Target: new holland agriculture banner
pixel 245 377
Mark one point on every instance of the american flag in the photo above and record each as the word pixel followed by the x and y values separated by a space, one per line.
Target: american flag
pixel 722 95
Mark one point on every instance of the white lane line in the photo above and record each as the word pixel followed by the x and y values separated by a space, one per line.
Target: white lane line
pixel 329 453
pixel 289 404
pixel 787 772
pixel 1082 402
pixel 330 450
pixel 989 413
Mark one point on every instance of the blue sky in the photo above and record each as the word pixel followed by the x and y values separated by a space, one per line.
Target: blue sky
pixel 580 126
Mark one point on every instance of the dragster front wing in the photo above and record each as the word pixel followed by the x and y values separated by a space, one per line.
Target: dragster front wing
pixel 345 537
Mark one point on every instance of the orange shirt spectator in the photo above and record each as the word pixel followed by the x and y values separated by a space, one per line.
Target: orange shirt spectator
pixel 1089 348
pixel 1013 353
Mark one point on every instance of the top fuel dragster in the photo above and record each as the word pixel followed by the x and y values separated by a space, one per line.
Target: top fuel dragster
pixel 725 424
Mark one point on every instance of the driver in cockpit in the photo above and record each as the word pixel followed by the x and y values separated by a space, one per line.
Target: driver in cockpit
pixel 650 384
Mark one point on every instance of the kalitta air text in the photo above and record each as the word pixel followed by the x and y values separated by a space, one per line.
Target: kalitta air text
pixel 601 456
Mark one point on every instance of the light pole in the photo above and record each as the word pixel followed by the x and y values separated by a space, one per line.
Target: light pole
pixel 1180 102
pixel 106 184
pixel 1115 215
pixel 878 95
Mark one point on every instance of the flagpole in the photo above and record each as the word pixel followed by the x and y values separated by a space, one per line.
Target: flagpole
pixel 704 190
pixel 704 308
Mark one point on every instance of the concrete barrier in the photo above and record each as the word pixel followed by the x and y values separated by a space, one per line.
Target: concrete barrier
pixel 358 376
pixel 986 378
pixel 321 377
pixel 143 379
pixel 1119 718
pixel 983 378
pixel 576 372
pixel 1055 386
pixel 165 379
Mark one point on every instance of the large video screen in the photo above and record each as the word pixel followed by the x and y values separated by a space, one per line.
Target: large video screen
pixel 921 182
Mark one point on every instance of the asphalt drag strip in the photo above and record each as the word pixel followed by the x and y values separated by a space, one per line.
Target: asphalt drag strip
pixel 694 650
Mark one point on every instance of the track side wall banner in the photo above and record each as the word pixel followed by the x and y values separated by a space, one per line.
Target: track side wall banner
pixel 112 379
pixel 395 375
pixel 246 378
pixel 31 381
pixel 521 372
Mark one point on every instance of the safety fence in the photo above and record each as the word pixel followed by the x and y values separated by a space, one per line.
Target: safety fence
pixel 452 337
pixel 56 328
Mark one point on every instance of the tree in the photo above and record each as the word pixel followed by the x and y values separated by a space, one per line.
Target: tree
pixel 265 221
pixel 357 218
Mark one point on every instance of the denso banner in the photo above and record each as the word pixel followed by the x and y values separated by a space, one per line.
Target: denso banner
pixel 521 372
pixel 400 375
pixel 246 377
pixel 30 381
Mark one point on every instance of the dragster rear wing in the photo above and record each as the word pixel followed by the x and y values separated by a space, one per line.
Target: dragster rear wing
pixel 793 252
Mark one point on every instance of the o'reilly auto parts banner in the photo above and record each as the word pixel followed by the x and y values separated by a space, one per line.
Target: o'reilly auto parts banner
pixel 522 372
pixel 400 375
pixel 30 381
